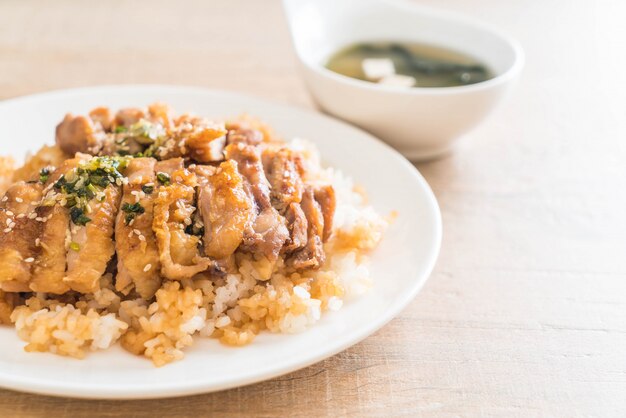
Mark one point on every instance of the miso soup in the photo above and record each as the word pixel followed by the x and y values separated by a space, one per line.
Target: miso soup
pixel 408 64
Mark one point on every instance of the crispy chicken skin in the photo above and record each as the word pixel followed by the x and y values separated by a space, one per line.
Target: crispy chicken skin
pixel 173 210
pixel 312 255
pixel 135 243
pixel 268 232
pixel 50 265
pixel 95 246
pixel 226 210
pixel 18 241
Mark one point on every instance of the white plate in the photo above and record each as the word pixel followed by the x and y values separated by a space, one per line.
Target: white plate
pixel 400 266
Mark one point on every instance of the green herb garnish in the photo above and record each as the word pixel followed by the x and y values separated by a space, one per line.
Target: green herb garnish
pixel 79 186
pixel 163 178
pixel 147 189
pixel 78 216
pixel 119 129
pixel 146 132
pixel 135 207
pixel 132 210
pixel 44 174
pixel 74 246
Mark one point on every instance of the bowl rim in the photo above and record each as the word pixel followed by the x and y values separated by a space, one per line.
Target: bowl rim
pixel 506 76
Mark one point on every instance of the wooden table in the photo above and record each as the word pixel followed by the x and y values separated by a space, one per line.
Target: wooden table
pixel 525 314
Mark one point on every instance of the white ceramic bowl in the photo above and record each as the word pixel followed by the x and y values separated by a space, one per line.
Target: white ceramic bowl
pixel 421 123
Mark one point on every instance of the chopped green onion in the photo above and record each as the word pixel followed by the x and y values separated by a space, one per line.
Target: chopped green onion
pixel 132 210
pixel 163 178
pixel 44 174
pixel 147 189
pixel 75 246
pixel 78 216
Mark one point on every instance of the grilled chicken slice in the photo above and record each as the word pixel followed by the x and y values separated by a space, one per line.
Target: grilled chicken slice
pixel 50 265
pixel 135 243
pixel 79 134
pixel 281 168
pixel 268 232
pixel 206 144
pixel 92 245
pixel 173 211
pixel 249 164
pixel 129 116
pixel 169 166
pixel 226 211
pixel 283 175
pixel 160 113
pixel 325 196
pixel 312 255
pixel 297 226
pixel 244 136
pixel 103 117
pixel 18 240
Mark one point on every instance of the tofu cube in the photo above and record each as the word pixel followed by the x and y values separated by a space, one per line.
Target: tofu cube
pixel 377 68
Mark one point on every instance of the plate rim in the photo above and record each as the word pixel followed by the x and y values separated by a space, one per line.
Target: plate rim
pixel 193 387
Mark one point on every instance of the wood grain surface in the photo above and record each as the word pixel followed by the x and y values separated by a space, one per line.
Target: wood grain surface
pixel 525 314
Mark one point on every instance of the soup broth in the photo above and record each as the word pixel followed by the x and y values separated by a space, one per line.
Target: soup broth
pixel 408 64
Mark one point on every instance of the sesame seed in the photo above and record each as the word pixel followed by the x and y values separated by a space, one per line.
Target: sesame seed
pixel 136 231
pixel 130 234
pixel 147 267
pixel 21 215
pixel 19 200
pixel 5 198
pixel 132 221
pixel 29 260
pixel 37 242
pixel 142 238
pixel 9 213
pixel 187 221
pixel 6 230
pixel 39 219
pixel 32 215
pixel 12 224
pixel 9 222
